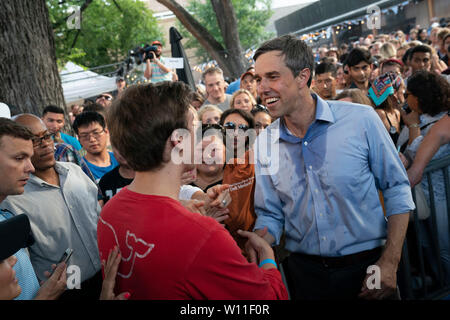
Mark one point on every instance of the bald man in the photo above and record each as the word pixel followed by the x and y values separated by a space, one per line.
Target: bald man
pixel 61 202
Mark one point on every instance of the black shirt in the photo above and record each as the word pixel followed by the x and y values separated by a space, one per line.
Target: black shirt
pixel 111 183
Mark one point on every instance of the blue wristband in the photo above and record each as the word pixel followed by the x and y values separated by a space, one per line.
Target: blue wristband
pixel 268 261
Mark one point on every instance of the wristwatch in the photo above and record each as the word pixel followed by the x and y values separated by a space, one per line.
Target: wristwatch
pixel 414 125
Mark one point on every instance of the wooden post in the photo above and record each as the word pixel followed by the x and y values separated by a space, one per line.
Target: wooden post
pixel 430 10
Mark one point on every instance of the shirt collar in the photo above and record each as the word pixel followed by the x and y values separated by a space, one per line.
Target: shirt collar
pixel 61 170
pixel 323 115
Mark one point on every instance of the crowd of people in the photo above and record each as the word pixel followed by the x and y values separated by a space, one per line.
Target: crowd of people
pixel 166 193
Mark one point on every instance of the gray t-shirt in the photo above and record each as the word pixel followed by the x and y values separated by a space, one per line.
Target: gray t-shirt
pixel 225 105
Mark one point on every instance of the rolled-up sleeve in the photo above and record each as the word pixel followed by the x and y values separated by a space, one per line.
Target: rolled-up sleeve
pixel 390 174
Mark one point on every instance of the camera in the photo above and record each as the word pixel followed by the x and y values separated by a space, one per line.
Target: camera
pixel 138 53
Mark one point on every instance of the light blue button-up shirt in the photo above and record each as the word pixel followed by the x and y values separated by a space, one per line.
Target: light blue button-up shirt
pixel 322 189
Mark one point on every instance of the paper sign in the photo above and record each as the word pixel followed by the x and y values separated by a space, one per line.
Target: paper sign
pixel 174 63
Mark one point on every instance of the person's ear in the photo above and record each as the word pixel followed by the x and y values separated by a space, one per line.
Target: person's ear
pixel 303 77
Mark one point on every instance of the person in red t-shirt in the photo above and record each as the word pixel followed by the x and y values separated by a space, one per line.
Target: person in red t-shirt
pixel 166 251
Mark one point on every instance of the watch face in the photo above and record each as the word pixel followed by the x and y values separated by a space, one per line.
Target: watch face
pixel 392 130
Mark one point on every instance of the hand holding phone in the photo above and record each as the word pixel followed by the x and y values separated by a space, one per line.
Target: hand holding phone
pixel 65 257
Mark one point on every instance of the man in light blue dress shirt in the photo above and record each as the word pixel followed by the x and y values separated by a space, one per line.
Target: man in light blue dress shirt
pixel 319 183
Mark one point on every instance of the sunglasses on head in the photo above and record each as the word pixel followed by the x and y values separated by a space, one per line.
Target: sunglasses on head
pixel 232 125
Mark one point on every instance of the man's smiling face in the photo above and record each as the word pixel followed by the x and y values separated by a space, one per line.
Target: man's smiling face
pixel 277 86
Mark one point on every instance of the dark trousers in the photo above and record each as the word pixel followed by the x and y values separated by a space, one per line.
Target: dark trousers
pixel 308 278
pixel 90 289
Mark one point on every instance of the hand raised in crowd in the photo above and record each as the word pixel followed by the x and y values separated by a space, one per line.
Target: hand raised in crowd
pixel 55 285
pixel 110 267
pixel 410 118
pixel 257 248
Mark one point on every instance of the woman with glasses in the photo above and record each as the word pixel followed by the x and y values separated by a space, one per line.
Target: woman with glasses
pixel 242 99
pixel 239 171
pixel 262 118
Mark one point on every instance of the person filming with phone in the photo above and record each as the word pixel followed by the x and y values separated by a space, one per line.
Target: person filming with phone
pixel 155 69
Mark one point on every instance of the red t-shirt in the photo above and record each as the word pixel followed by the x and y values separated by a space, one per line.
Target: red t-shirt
pixel 171 253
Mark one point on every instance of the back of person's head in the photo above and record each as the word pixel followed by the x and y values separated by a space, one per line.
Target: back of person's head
pixel 326 67
pixel 388 51
pixel 144 118
pixel 357 56
pixel 86 118
pixel 297 55
pixel 211 70
pixel 95 107
pixel 355 95
pixel 52 109
pixel 244 114
pixel 432 91
pixel 13 129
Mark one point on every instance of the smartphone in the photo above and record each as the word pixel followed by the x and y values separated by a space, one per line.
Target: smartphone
pixel 65 257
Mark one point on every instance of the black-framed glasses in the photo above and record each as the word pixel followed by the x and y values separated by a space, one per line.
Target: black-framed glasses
pixel 232 126
pixel 37 141
pixel 96 134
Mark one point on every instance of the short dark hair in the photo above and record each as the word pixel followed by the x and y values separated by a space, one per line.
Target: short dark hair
pixel 13 129
pixel 325 67
pixel 406 56
pixel 244 114
pixel 144 117
pixel 86 118
pixel 358 55
pixel 432 91
pixel 53 109
pixel 421 48
pixel 297 54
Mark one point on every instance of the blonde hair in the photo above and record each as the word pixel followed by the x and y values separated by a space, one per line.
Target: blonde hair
pixel 206 108
pixel 388 51
pixel 240 91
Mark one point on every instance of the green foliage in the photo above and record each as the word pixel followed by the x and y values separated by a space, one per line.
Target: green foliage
pixel 251 23
pixel 107 33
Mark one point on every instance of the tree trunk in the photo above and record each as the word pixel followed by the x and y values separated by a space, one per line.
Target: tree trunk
pixel 226 18
pixel 29 78
pixel 228 60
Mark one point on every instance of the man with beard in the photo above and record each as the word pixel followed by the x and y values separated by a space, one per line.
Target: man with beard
pixel 155 70
pixel 359 62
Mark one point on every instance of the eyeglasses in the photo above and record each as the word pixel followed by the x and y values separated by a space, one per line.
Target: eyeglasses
pixel 232 125
pixel 86 136
pixel 105 97
pixel 37 141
